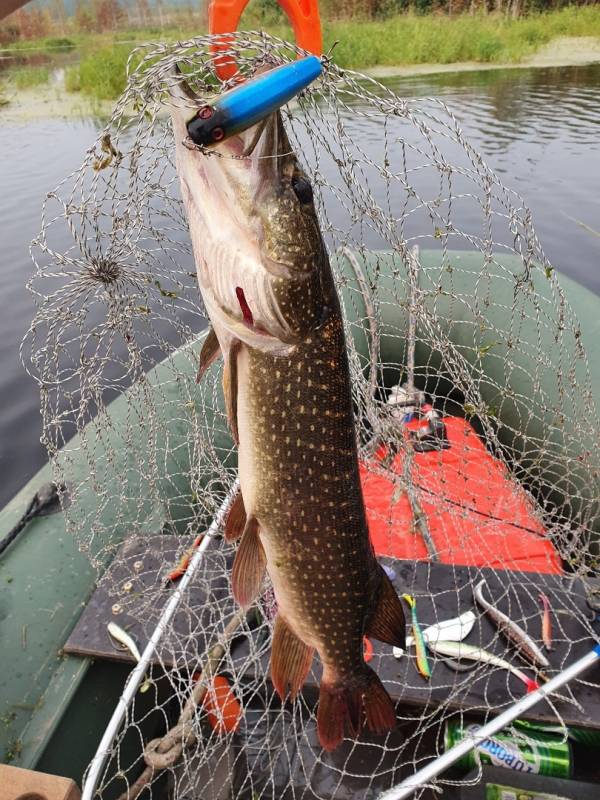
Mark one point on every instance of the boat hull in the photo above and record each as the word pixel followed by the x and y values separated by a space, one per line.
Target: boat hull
pixel 57 706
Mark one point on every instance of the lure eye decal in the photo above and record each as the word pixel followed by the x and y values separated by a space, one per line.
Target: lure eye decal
pixel 207 126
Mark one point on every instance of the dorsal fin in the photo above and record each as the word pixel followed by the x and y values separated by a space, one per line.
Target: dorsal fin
pixel 387 623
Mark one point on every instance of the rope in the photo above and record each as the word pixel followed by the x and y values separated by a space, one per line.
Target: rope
pixel 165 752
pixel 41 504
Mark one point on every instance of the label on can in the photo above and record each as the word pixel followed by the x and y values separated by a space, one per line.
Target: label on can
pixel 503 753
pixel 533 753
pixel 494 791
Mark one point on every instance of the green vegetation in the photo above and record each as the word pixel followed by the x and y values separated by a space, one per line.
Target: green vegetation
pixel 362 42
pixel 100 73
pixel 28 77
pixel 415 39
pixel 405 39
pixel 59 43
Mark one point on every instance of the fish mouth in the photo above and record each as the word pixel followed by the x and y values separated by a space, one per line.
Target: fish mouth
pixel 265 143
pixel 233 192
pixel 180 88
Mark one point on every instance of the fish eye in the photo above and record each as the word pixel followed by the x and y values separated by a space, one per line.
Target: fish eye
pixel 303 190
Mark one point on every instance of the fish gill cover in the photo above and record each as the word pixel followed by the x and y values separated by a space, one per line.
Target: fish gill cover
pixel 476 429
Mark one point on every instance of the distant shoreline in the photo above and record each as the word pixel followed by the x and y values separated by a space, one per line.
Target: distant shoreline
pixel 53 101
pixel 565 51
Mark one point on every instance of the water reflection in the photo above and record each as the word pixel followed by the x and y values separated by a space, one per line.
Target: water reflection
pixel 56 57
pixel 33 159
pixel 516 105
pixel 540 130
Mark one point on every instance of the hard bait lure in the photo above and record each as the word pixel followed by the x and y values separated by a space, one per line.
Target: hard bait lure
pixel 422 662
pixel 251 102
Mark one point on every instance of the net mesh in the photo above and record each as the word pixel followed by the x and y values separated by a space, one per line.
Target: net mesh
pixel 453 315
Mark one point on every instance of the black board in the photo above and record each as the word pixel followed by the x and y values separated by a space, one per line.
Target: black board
pixel 144 562
pixel 516 594
pixel 442 591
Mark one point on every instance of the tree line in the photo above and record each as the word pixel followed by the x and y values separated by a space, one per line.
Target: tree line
pixel 97 16
pixel 382 9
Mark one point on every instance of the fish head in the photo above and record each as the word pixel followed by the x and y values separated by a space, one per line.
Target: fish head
pixel 262 264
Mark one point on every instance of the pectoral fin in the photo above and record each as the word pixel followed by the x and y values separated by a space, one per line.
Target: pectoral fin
pixel 236 519
pixel 230 387
pixel 249 565
pixel 290 659
pixel 211 350
pixel 387 623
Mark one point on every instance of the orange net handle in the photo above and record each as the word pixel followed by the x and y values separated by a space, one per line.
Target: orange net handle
pixel 224 16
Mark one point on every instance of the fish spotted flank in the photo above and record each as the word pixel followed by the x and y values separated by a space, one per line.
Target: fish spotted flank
pixel 269 291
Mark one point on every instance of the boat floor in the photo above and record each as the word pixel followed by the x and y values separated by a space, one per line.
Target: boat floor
pixel 131 588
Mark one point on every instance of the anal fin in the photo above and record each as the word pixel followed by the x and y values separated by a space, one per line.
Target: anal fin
pixel 290 659
pixel 236 519
pixel 387 623
pixel 249 565
pixel 211 350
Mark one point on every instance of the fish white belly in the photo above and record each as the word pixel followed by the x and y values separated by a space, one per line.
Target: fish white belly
pixel 246 460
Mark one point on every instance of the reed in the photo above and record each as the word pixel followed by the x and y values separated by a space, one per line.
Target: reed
pixel 402 40
pixel 439 39
pixel 29 77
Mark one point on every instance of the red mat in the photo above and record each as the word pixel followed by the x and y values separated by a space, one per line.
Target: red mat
pixel 476 513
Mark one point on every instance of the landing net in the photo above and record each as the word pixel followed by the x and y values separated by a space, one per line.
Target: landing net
pixel 476 424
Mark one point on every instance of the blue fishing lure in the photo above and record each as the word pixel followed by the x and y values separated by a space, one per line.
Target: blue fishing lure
pixel 251 102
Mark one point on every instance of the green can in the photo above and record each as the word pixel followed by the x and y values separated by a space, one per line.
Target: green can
pixel 533 752
pixel 585 736
pixel 590 737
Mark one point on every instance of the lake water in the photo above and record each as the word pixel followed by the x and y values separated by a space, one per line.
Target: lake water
pixel 538 129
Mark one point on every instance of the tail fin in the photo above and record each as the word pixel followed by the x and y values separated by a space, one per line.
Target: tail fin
pixel 378 706
pixel 349 704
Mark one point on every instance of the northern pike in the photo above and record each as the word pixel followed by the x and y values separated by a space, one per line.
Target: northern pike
pixel 527 648
pixel 268 289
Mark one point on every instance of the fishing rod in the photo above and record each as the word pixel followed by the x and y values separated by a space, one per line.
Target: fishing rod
pixel 424 776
